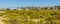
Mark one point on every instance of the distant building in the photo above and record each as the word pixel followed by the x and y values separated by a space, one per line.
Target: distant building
pixel 19 9
pixel 3 8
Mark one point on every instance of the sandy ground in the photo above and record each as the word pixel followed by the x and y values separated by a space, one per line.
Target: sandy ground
pixel 1 21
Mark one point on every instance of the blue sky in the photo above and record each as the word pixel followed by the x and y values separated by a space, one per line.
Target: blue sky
pixel 24 3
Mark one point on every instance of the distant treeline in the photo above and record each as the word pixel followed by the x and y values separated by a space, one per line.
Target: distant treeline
pixel 32 8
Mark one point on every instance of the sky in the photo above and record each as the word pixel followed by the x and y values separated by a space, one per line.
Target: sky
pixel 25 3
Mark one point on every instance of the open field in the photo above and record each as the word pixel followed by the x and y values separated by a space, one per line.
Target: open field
pixel 30 16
